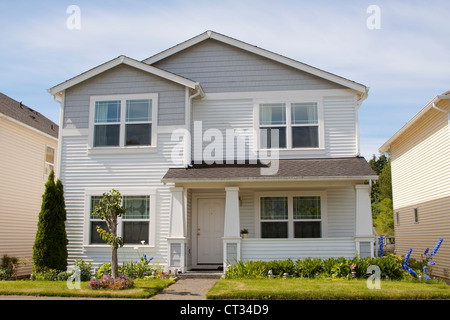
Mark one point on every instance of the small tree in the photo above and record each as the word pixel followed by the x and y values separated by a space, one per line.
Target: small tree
pixel 50 246
pixel 109 209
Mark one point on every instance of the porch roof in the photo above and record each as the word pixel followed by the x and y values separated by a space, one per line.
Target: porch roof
pixel 355 168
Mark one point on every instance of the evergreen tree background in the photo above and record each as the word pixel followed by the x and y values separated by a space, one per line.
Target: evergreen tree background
pixel 50 246
pixel 382 206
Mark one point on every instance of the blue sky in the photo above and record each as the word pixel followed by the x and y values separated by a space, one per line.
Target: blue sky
pixel 405 63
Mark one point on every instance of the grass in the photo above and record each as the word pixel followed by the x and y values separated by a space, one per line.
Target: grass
pixel 308 289
pixel 143 289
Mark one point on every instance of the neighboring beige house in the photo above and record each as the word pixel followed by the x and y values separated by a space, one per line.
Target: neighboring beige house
pixel 28 144
pixel 420 159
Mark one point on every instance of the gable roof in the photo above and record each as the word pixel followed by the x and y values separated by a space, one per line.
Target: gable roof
pixel 355 168
pixel 130 62
pixel 432 104
pixel 23 114
pixel 363 90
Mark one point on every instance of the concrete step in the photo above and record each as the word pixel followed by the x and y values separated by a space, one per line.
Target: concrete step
pixel 201 274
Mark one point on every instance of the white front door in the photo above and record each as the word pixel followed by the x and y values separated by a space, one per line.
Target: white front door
pixel 210 223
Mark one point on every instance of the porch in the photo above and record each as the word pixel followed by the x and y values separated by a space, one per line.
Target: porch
pixel 285 219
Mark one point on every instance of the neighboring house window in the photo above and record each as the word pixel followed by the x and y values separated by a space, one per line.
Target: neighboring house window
pixel 292 216
pixel 416 215
pixel 290 125
pixel 133 226
pixel 124 121
pixel 49 160
pixel 397 216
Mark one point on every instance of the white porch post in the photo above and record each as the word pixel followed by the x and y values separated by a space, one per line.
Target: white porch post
pixel 232 231
pixel 363 233
pixel 177 231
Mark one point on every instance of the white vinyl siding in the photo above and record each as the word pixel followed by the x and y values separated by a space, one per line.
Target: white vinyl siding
pixel 223 68
pixel 82 171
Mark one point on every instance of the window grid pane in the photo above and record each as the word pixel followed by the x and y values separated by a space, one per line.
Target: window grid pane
pixel 137 207
pixel 307 207
pixel 307 229
pixel 107 111
pixel 139 110
pixel 304 113
pixel 134 232
pixel 274 208
pixel 274 230
pixel 272 114
pixel 305 137
pixel 138 134
pixel 106 135
pixel 277 134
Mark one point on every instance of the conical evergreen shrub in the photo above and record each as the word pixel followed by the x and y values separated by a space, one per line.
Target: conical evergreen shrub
pixel 50 246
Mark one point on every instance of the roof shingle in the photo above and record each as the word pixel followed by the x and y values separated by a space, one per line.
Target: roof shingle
pixel 20 112
pixel 355 168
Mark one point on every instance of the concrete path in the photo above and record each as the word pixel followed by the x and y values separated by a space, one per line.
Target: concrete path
pixel 186 289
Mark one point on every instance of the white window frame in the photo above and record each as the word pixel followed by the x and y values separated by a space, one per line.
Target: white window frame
pixel 151 192
pixel 48 166
pixel 288 103
pixel 123 99
pixel 290 195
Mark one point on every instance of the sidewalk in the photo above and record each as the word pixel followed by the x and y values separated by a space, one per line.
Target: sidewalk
pixel 186 289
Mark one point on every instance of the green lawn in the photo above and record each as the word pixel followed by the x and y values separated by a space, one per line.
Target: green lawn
pixel 306 289
pixel 142 289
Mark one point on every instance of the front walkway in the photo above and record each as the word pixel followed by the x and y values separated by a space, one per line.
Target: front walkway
pixel 186 289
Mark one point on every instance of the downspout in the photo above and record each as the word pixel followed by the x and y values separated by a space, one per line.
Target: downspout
pixel 201 93
pixel 358 104
pixel 61 115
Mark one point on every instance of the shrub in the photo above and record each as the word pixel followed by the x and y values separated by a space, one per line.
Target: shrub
pixel 8 267
pixel 46 274
pixel 390 266
pixel 309 267
pixel 50 246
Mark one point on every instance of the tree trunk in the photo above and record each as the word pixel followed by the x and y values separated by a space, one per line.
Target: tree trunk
pixel 114 264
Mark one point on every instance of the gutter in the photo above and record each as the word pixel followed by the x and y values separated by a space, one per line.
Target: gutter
pixel 439 98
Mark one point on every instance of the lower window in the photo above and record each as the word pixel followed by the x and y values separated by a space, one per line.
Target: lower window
pixel 291 217
pixel 133 226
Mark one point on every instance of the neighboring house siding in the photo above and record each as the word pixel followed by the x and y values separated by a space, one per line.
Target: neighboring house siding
pixel 124 80
pixel 81 171
pixel 223 68
pixel 23 177
pixel 434 223
pixel 420 161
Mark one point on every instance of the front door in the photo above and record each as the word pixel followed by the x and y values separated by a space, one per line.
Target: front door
pixel 210 223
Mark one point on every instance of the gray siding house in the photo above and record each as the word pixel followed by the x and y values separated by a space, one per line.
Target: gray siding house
pixel 208 138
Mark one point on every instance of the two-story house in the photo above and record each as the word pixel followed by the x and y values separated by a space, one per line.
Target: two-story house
pixel 210 137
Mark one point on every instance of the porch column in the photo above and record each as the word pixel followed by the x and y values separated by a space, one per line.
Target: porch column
pixel 177 231
pixel 232 231
pixel 363 231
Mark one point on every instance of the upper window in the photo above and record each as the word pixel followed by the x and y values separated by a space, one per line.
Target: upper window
pixel 124 121
pixel 289 125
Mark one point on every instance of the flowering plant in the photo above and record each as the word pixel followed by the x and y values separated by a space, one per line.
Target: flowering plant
pixel 119 283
